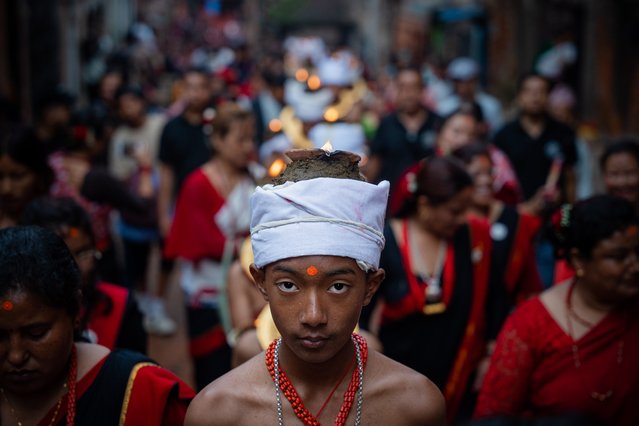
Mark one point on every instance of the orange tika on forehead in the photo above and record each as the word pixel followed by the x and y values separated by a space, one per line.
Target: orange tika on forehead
pixel 311 271
pixel 7 305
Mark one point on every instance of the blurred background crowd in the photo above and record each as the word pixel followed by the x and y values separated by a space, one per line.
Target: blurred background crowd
pixel 137 130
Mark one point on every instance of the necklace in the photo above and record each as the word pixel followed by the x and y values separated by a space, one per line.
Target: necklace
pixel 68 386
pixel 433 298
pixel 596 395
pixel 573 313
pixel 433 280
pixel 328 398
pixel 283 385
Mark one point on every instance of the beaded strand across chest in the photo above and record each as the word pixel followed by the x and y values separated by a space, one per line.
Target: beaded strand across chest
pixel 283 385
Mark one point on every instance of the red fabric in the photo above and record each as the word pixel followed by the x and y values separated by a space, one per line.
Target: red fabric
pixel 417 299
pixel 207 343
pixel 81 387
pixel 506 185
pixel 563 271
pixel 404 189
pixel 472 347
pixel 522 275
pixel 157 397
pixel 533 371
pixel 152 400
pixel 107 325
pixel 194 234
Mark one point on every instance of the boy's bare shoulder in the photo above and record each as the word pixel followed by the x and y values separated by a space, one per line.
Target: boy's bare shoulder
pixel 238 397
pixel 400 393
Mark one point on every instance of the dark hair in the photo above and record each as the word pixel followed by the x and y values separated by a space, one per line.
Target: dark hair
pixel 622 146
pixel 467 153
pixel 527 76
pixel 439 179
pixel 471 109
pixel 226 114
pixel 129 89
pixel 22 146
pixel 197 70
pixel 61 215
pixel 274 79
pixel 58 215
pixel 58 96
pixel 37 261
pixel 590 221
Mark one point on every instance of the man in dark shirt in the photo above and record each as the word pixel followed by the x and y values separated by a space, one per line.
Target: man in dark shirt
pixel 404 136
pixel 534 140
pixel 184 146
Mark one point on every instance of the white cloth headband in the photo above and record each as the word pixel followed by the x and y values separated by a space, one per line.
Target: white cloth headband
pixel 322 216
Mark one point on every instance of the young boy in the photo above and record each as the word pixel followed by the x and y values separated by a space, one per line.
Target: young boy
pixel 317 242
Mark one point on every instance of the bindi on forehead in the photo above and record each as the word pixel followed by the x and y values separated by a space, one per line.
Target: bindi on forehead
pixel 7 305
pixel 311 271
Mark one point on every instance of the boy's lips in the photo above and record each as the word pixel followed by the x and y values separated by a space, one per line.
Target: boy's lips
pixel 313 341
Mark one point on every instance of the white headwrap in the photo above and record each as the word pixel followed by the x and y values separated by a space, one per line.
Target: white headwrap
pixel 322 216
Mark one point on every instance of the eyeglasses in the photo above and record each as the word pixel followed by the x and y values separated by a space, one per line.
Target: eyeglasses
pixel 89 254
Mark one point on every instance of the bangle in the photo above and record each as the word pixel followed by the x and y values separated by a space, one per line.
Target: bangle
pixel 235 334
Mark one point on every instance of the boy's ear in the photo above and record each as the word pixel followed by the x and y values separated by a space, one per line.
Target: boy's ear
pixel 373 281
pixel 258 277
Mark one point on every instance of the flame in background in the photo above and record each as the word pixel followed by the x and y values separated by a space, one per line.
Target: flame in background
pixel 276 168
pixel 301 75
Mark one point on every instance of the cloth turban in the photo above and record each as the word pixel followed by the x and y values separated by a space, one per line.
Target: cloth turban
pixel 321 216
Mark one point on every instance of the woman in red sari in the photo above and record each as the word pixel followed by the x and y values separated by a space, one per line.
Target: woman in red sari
pixel 211 220
pixel 573 349
pixel 47 377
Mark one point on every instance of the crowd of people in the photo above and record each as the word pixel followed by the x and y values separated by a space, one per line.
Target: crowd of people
pixel 493 256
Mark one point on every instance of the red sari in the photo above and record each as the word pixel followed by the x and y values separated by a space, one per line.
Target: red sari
pixel 533 371
pixel 207 229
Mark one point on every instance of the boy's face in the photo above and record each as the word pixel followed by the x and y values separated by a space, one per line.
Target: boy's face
pixel 316 301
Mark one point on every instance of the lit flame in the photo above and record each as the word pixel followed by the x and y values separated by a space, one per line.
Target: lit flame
pixel 275 125
pixel 301 75
pixel 276 168
pixel 327 147
pixel 314 82
pixel 331 114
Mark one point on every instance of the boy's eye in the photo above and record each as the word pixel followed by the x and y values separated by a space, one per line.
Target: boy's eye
pixel 338 288
pixel 287 286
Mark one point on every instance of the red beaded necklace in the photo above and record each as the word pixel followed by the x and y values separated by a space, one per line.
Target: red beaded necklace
pixel 71 384
pixel 296 402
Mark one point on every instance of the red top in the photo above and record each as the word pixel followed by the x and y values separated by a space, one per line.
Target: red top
pixel 194 233
pixel 107 325
pixel 521 275
pixel 533 371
